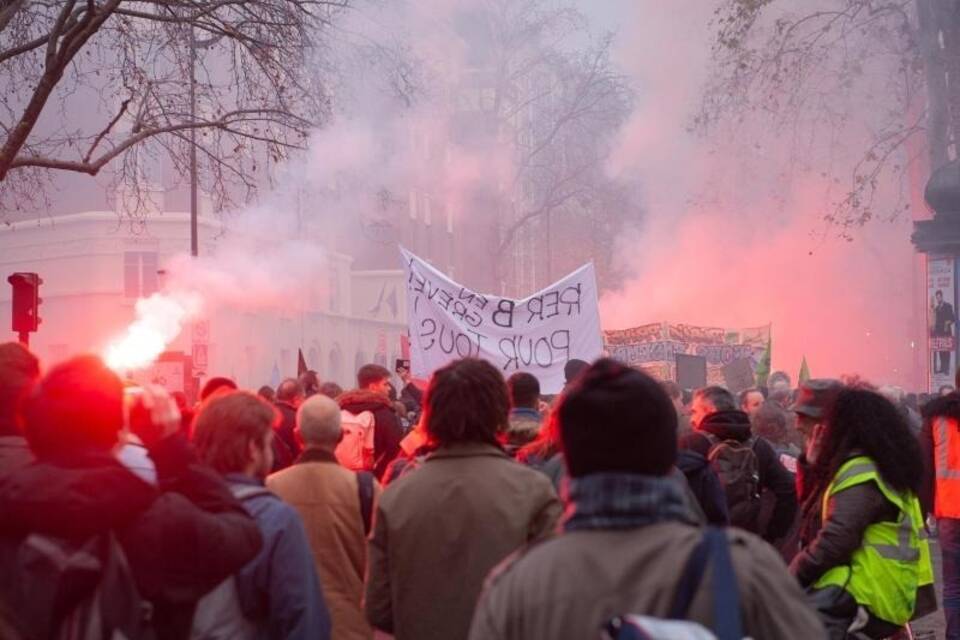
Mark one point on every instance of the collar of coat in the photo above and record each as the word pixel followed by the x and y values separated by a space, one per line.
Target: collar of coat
pixel 363 397
pixel 623 501
pixel 467 450
pixel 315 454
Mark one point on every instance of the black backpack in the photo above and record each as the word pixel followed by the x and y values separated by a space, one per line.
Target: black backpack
pixel 738 468
pixel 74 589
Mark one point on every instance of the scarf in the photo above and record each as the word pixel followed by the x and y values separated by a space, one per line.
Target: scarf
pixel 622 501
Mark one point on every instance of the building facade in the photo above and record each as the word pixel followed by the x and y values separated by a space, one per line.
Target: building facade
pixel 95 266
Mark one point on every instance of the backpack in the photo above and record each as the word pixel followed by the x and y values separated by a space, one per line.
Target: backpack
pixel 727 625
pixel 355 450
pixel 219 615
pixel 74 590
pixel 738 468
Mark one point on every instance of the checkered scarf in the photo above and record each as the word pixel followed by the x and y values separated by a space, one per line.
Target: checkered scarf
pixel 622 501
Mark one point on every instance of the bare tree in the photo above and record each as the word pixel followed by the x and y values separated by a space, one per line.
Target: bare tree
pixel 90 84
pixel 554 99
pixel 818 70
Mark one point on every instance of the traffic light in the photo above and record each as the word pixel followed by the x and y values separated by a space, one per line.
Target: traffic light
pixel 26 301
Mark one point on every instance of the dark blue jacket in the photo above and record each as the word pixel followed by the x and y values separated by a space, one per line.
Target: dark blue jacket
pixel 279 589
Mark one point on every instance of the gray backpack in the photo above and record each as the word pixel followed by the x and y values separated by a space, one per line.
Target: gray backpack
pixel 62 589
pixel 219 615
pixel 738 468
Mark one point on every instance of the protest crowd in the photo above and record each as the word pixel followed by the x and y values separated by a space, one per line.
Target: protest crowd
pixel 624 507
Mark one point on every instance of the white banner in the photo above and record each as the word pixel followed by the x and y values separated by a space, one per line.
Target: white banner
pixel 537 334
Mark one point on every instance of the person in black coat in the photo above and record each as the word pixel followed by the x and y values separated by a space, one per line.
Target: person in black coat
pixel 705 487
pixel 373 382
pixel 181 536
pixel 714 411
pixel 290 395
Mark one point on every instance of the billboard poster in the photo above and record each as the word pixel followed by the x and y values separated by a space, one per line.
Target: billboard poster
pixel 654 348
pixel 941 321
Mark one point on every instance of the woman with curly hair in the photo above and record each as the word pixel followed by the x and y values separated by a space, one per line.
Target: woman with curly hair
pixel 865 559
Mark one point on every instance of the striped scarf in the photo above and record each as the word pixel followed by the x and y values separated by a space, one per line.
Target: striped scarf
pixel 622 501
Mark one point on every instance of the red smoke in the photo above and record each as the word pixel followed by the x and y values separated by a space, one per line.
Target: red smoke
pixel 734 234
pixel 847 306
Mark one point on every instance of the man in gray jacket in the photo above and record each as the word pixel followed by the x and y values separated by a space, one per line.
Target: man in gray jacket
pixel 627 534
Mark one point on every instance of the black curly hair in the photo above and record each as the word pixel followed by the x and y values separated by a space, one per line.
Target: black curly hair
pixel 862 422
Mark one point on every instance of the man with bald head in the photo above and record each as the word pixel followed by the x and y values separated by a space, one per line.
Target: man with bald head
pixel 336 505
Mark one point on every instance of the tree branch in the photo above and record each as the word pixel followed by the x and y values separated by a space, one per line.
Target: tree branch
pixel 93 167
pixel 106 130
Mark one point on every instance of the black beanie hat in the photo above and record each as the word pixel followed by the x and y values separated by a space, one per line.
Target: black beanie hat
pixel 617 419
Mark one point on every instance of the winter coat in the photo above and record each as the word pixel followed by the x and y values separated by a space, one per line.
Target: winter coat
pixel 522 429
pixel 567 587
pixel 705 486
pixel 14 453
pixel 326 496
pixel 279 589
pixel 412 397
pixel 404 464
pixel 387 431
pixel 553 467
pixel 830 544
pixel 285 430
pixel 440 529
pixel 180 541
pixel 735 425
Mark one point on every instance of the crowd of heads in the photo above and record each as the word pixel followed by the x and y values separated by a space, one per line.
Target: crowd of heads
pixel 468 401
pixel 610 418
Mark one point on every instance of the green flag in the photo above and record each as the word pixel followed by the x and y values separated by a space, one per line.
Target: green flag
pixel 804 372
pixel 763 367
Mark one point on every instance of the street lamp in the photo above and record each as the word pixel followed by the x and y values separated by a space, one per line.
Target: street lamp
pixel 194 45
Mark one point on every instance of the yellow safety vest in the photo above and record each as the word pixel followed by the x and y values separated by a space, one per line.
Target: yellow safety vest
pixel 893 562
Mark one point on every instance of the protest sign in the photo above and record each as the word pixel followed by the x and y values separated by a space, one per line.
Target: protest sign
pixel 738 375
pixel 656 348
pixel 691 371
pixel 537 334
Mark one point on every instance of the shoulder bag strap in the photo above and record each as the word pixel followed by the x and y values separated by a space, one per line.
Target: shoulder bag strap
pixel 690 580
pixel 726 596
pixel 713 548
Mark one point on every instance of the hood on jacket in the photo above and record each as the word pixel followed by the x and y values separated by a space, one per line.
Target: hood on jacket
pixel 727 425
pixel 72 500
pixel 359 400
pixel 689 461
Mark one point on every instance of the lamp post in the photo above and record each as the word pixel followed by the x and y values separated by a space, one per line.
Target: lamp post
pixel 939 239
pixel 194 248
pixel 194 179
